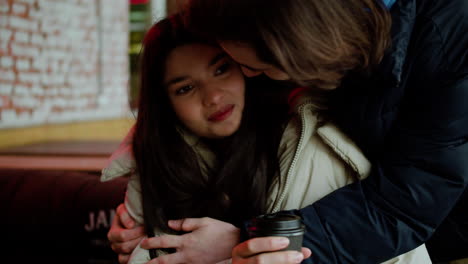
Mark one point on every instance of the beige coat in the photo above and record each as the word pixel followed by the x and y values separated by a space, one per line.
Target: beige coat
pixel 315 158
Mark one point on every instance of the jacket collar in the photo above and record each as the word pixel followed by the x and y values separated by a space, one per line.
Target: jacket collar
pixel 403 14
pixel 388 3
pixel 302 95
pixel 365 106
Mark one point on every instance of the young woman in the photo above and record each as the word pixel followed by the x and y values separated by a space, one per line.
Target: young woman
pixel 201 146
pixel 397 72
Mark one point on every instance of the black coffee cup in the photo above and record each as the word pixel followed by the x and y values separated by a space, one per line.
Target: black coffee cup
pixel 283 225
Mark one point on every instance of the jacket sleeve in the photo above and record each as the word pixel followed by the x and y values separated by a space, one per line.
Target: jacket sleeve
pixel 133 201
pixel 411 189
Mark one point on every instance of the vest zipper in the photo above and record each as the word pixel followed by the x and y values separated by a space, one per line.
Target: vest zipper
pixel 293 163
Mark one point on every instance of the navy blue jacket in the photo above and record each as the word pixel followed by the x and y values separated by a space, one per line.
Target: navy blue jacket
pixel 410 117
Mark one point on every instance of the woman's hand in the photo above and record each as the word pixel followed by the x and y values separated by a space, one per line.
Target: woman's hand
pixel 123 235
pixel 265 250
pixel 209 241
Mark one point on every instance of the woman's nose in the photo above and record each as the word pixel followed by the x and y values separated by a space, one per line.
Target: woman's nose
pixel 212 95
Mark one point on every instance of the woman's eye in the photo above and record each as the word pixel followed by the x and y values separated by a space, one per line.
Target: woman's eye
pixel 222 69
pixel 184 89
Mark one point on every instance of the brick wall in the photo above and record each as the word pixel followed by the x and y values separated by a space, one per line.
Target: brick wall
pixel 62 61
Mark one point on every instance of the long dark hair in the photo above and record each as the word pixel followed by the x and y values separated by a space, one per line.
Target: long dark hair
pixel 315 41
pixel 173 185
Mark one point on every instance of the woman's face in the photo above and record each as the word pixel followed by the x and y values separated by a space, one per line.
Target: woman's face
pixel 206 89
pixel 251 65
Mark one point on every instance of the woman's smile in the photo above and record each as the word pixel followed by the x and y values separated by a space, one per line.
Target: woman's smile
pixel 222 114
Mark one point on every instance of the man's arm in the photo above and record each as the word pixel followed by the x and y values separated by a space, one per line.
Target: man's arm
pixel 412 188
pixel 124 235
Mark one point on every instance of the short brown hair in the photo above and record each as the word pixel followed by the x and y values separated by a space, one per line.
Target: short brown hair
pixel 315 41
